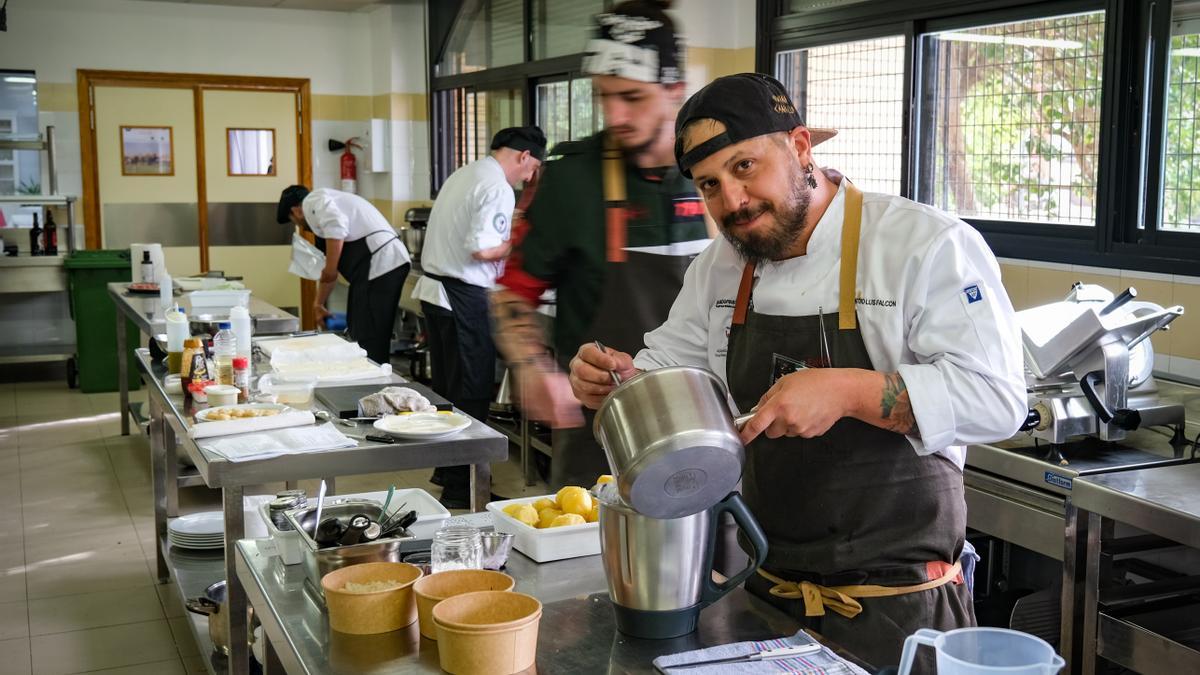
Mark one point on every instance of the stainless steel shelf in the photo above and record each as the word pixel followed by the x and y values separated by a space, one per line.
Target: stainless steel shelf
pixel 1145 645
pixel 193 572
pixel 36 353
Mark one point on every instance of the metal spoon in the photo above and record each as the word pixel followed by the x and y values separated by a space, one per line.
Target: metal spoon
pixel 320 505
pixel 325 416
pixel 615 377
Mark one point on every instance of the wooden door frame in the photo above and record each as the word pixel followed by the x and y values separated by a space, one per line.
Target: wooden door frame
pixel 87 80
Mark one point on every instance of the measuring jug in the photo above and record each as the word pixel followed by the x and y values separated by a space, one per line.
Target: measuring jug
pixel 983 651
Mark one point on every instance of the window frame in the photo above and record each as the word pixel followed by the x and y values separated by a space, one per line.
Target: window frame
pixel 1128 187
pixel 525 76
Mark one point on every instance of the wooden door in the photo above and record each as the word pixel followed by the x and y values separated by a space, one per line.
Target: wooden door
pixel 251 153
pixel 145 141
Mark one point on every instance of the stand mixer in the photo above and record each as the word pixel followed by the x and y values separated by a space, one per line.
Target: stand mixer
pixel 1089 365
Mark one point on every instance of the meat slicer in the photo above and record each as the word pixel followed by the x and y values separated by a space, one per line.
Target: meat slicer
pixel 1089 365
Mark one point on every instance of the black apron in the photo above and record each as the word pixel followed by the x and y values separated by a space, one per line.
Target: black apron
pixel 856 505
pixel 462 347
pixel 639 289
pixel 372 303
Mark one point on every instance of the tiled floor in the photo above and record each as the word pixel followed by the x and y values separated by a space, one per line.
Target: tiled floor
pixel 77 591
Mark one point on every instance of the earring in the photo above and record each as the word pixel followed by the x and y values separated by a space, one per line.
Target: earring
pixel 809 177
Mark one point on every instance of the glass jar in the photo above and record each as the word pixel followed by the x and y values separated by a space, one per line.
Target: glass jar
pixel 457 547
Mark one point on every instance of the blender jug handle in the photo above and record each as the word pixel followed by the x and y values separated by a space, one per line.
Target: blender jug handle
pixel 711 591
pixel 923 636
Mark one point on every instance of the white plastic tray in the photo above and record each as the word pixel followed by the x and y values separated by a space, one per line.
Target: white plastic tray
pixel 556 543
pixel 219 299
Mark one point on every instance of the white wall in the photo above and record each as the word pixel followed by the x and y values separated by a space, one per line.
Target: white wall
pixel 55 37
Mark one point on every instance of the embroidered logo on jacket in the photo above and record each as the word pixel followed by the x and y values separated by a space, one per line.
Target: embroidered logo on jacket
pixel 973 294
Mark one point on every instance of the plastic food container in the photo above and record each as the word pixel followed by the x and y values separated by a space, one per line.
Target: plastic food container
pixel 286 543
pixel 293 392
pixel 221 394
pixel 556 543
pixel 376 611
pixel 487 632
pixel 435 588
pixel 219 299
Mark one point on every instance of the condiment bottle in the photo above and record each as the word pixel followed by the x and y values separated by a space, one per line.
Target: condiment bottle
pixel 241 377
pixel 192 364
pixel 177 334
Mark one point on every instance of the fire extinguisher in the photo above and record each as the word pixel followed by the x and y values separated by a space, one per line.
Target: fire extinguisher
pixel 348 163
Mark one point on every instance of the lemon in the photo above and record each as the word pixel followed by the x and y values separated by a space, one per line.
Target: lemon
pixel 545 503
pixel 547 516
pixel 574 499
pixel 525 513
pixel 568 519
pixel 593 516
pixel 606 478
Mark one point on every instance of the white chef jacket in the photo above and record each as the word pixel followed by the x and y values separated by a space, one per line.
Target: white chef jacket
pixel 929 303
pixel 473 212
pixel 333 214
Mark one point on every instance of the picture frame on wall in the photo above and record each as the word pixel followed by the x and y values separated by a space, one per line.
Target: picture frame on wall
pixel 147 151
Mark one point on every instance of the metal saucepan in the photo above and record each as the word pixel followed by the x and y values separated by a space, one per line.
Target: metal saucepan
pixel 213 604
pixel 671 441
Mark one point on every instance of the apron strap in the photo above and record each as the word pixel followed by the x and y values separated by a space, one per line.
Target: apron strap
pixel 847 291
pixel 615 196
pixel 851 225
pixel 743 296
pixel 841 599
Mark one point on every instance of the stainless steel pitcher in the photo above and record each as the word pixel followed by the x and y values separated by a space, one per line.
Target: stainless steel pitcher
pixel 660 570
pixel 671 441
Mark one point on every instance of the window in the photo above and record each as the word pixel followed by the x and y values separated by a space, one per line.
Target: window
pixel 561 28
pixel 1011 120
pixel 251 152
pixel 858 89
pixel 566 110
pixel 20 170
pixel 485 35
pixel 1181 150
pixel 477 116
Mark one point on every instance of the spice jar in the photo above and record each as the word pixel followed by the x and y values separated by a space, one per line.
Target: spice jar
pixel 458 547
pixel 241 377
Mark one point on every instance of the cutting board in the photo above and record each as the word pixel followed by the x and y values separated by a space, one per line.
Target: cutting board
pixel 344 400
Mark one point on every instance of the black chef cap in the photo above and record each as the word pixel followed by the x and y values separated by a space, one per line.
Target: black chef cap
pixel 528 138
pixel 292 196
pixel 749 105
pixel 637 41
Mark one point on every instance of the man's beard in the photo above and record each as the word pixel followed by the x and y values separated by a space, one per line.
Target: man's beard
pixel 776 243
pixel 632 152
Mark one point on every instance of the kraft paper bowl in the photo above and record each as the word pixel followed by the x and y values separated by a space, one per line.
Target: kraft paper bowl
pixel 487 632
pixel 434 588
pixel 375 612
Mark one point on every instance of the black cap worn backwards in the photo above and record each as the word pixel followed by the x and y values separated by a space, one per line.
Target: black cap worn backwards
pixel 749 105
pixel 292 196
pixel 528 138
pixel 636 41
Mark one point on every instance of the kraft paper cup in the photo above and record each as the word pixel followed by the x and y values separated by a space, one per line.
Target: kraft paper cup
pixel 367 613
pixel 433 589
pixel 487 632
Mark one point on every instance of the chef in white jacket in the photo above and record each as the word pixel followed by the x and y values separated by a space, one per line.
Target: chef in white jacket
pixel 874 338
pixel 362 246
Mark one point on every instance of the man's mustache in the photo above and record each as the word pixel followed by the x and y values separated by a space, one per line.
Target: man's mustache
pixel 745 215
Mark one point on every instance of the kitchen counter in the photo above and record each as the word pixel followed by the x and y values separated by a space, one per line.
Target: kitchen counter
pixel 577 633
pixel 170 419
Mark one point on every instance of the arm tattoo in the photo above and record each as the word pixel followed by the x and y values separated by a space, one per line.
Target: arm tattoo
pixel 895 407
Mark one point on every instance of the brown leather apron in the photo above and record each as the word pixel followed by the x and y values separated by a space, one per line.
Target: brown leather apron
pixel 855 507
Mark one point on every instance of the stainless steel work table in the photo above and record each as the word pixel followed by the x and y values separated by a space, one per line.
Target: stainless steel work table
pixel 477 446
pixel 147 314
pixel 1149 627
pixel 577 632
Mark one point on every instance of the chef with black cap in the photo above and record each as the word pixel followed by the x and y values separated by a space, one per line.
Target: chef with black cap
pixel 359 243
pixel 873 339
pixel 466 241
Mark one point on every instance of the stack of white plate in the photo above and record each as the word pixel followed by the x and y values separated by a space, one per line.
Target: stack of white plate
pixel 197 531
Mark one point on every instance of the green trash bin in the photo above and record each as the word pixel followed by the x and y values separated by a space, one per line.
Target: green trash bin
pixel 88 276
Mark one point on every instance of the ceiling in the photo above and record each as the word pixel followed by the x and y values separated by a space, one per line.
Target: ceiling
pixel 328 5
